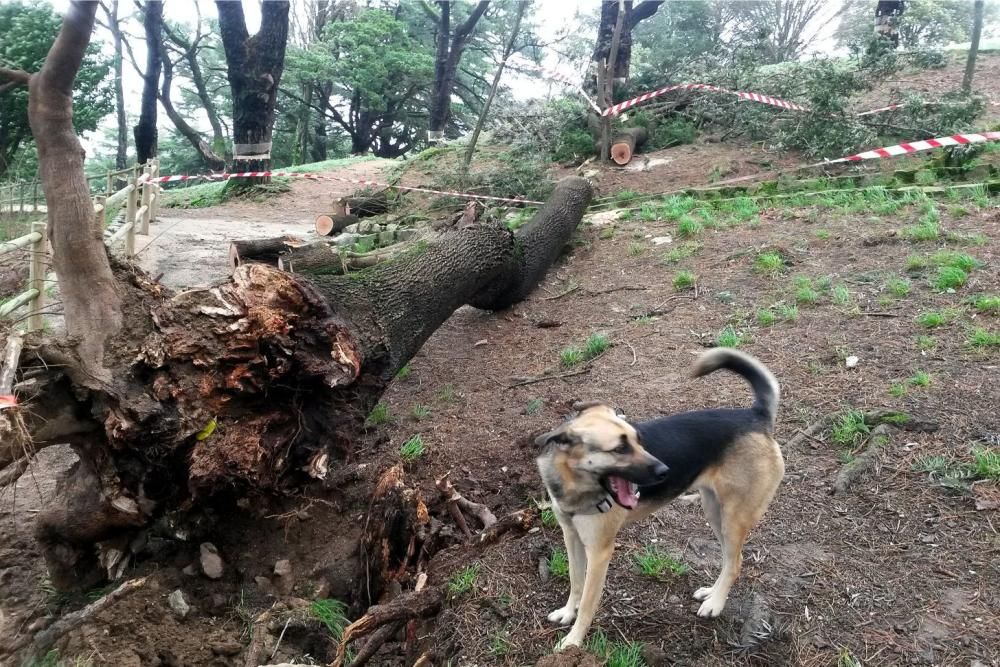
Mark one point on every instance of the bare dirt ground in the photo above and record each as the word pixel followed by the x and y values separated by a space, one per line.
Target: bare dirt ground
pixel 899 570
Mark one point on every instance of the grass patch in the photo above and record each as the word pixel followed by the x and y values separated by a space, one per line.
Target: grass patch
pixel 332 614
pixel 463 581
pixel 421 412
pixel 949 277
pixel 626 197
pixel 559 563
pixel 927 229
pixel 607 233
pixel 850 428
pixel 729 337
pixel 595 345
pixel 675 206
pixel 570 356
pixel 935 318
pixel 840 295
pixel 379 415
pixel 805 293
pixel 986 463
pixel 684 280
pixel 412 449
pixel 787 312
pixel 682 251
pixel 987 304
pixel 404 372
pixel 980 337
pixel 615 654
pixel 766 317
pixel 898 287
pixel 920 379
pixel 769 263
pixel 823 234
pixel 635 249
pixel 897 390
pixel 548 517
pixel 533 406
pixel 925 343
pixel 500 645
pixel 958 260
pixel 688 226
pixel 916 263
pixel 653 563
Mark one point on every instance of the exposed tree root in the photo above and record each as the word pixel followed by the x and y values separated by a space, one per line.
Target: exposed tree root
pixel 258 637
pixel 457 502
pixel 407 606
pixel 855 469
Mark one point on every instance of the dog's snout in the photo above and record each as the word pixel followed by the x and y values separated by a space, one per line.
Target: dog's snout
pixel 660 471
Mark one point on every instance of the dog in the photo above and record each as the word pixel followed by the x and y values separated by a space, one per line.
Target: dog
pixel 602 472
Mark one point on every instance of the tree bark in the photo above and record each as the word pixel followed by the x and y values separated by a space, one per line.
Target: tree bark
pixel 265 251
pixel 626 142
pixel 245 355
pixel 254 66
pixel 607 92
pixel 121 151
pixel 145 130
pixel 606 29
pixel 365 206
pixel 328 225
pixel 977 32
pixel 211 159
pixel 449 53
pixel 887 13
pixel 509 49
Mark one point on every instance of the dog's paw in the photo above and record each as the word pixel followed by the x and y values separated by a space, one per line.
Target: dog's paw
pixel 711 607
pixel 566 642
pixel 563 615
pixel 703 593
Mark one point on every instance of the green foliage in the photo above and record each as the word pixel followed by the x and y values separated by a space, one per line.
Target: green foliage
pixel 980 337
pixel 404 372
pixel 769 263
pixel 958 260
pixel 635 249
pixel 570 356
pixel 935 318
pixel 379 415
pixel 688 226
pixel 840 295
pixel 920 379
pixel 766 317
pixel 559 563
pixel 674 206
pixel 28 31
pixel 682 251
pixel 332 613
pixel 500 645
pixel 986 463
pixel 675 132
pixel 684 280
pixel 597 343
pixel 925 343
pixel 950 277
pixel 987 304
pixel 729 337
pixel 924 23
pixel 548 517
pixel 412 449
pixel 898 287
pixel 926 229
pixel 850 428
pixel 653 563
pixel 805 294
pixel 534 405
pixel 463 581
pixel 897 389
pixel 421 412
pixel 788 312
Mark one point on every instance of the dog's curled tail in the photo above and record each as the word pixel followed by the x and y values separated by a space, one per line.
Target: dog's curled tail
pixel 765 386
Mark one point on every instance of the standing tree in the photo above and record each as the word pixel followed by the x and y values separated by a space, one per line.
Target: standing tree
pixel 605 33
pixel 113 26
pixel 254 66
pixel 286 366
pixel 145 129
pixel 887 13
pixel 449 48
pixel 977 31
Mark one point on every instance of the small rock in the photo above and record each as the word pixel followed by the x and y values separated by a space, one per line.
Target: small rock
pixel 283 580
pixel 660 240
pixel 481 342
pixel 283 568
pixel 386 238
pixel 227 648
pixel 345 239
pixel 353 228
pixel 211 561
pixel 218 602
pixel 265 585
pixel 674 599
pixel 392 227
pixel 655 656
pixel 191 570
pixel 178 604
pixel 851 361
pixel 405 234
pixel 543 570
pixel 39 624
pixel 321 589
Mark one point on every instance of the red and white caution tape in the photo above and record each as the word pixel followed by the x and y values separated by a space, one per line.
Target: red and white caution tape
pixel 357 181
pixel 915 146
pixel 8 401
pixel 891 107
pixel 558 77
pixel 616 109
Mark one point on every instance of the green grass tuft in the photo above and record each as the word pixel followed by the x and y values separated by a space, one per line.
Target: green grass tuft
pixel 597 343
pixel 980 337
pixel 898 287
pixel 379 415
pixel 607 233
pixel 682 251
pixel 897 389
pixel 935 318
pixel 959 260
pixel 559 563
pixel 823 234
pixel 688 226
pixel 635 249
pixel 949 277
pixel 653 563
pixel 840 295
pixel 412 449
pixel 805 294
pixel 920 379
pixel 787 312
pixel 404 372
pixel 684 280
pixel 421 412
pixel 570 356
pixel 729 337
pixel 463 581
pixel 548 517
pixel 987 304
pixel 533 406
pixel 986 463
pixel 850 428
pixel 927 229
pixel 926 342
pixel 769 263
pixel 766 317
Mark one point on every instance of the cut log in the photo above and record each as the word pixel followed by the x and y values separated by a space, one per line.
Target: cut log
pixel 366 205
pixel 315 258
pixel 626 143
pixel 264 251
pixel 328 225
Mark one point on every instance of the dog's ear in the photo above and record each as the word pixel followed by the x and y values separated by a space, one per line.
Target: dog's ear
pixel 556 437
pixel 580 406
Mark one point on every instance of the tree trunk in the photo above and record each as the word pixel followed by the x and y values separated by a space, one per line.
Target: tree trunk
pixel 121 151
pixel 328 225
pixel 244 356
pixel 521 7
pixel 977 32
pixel 145 130
pixel 626 142
pixel 887 13
pixel 449 54
pixel 254 65
pixel 605 34
pixel 365 206
pixel 607 92
pixel 314 259
pixel 211 159
pixel 265 251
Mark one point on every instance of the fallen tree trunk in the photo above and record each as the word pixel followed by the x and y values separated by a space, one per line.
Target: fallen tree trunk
pixel 328 225
pixel 251 386
pixel 626 143
pixel 318 258
pixel 265 251
pixel 365 206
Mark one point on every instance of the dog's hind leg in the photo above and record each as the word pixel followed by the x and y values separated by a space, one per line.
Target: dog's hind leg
pixel 710 505
pixel 597 532
pixel 577 556
pixel 736 524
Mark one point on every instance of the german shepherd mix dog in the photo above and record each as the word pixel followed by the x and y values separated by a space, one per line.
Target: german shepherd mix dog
pixel 603 472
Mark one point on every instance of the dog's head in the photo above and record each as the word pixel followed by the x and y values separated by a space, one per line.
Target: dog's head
pixel 597 449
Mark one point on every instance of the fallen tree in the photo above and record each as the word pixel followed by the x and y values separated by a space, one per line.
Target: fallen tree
pixel 246 388
pixel 626 143
pixel 265 251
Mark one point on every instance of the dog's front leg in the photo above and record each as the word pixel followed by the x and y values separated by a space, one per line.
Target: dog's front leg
pixel 577 557
pixel 597 532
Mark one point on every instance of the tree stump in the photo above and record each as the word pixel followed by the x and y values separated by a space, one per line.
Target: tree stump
pixel 626 143
pixel 328 225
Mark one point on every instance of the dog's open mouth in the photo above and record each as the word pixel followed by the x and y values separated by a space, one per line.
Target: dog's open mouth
pixel 625 493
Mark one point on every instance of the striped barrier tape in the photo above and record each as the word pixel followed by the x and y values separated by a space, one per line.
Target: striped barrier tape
pixel 356 181
pixel 8 401
pixel 922 145
pixel 616 109
pixel 558 77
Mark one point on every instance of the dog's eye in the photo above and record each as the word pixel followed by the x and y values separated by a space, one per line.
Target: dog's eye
pixel 624 447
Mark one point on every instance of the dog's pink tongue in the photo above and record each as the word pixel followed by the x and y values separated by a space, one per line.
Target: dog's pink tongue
pixel 624 493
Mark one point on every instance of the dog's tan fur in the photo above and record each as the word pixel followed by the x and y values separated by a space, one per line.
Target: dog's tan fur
pixel 735 492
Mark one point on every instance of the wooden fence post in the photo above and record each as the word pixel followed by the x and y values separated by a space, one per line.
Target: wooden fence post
pixel 133 197
pixel 36 277
pixel 21 189
pixel 157 191
pixel 147 191
pixel 34 195
pixel 108 185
